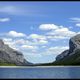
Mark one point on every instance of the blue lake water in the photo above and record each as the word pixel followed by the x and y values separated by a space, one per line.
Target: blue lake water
pixel 40 72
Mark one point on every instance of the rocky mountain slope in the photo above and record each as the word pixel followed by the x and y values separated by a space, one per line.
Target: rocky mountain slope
pixel 67 57
pixel 9 55
pixel 71 56
pixel 74 45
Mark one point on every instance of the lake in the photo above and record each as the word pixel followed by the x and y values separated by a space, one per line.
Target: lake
pixel 48 72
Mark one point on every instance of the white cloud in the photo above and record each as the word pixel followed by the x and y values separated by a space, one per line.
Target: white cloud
pixel 34 55
pixel 47 26
pixel 36 43
pixel 38 39
pixel 4 19
pixel 78 24
pixel 7 39
pixel 64 32
pixel 8 9
pixel 60 33
pixel 19 10
pixel 16 34
pixel 56 50
pixel 75 19
pixel 20 41
pixel 43 42
pixel 56 37
pixel 44 46
pixel 58 47
pixel 56 32
pixel 20 44
pixel 36 36
pixel 10 43
pixel 12 10
pixel 29 47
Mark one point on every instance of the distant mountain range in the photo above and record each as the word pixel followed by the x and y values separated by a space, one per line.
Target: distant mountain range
pixel 68 57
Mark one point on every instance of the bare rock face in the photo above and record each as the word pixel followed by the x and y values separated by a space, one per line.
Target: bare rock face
pixel 10 55
pixel 74 45
pixel 62 55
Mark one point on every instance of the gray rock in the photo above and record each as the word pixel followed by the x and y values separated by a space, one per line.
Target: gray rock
pixel 62 55
pixel 74 45
pixel 10 55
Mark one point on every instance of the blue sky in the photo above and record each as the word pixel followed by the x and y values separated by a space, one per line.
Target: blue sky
pixel 40 30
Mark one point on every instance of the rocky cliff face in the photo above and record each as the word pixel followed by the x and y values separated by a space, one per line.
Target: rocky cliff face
pixel 68 57
pixel 62 55
pixel 74 46
pixel 9 55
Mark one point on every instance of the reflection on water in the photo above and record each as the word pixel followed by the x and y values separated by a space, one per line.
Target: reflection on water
pixel 47 72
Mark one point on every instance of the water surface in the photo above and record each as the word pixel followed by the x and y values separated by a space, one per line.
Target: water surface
pixel 40 72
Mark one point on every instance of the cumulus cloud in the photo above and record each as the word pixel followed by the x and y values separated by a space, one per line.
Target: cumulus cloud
pixel 15 34
pixel 4 19
pixel 78 24
pixel 43 41
pixel 7 39
pixel 47 26
pixel 38 39
pixel 38 43
pixel 56 32
pixel 64 32
pixel 36 36
pixel 21 41
pixel 10 42
pixel 20 44
pixel 60 33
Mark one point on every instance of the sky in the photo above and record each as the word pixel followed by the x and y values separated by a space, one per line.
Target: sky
pixel 40 30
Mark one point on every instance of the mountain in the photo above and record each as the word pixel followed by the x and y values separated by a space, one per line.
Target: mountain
pixel 71 56
pixel 74 45
pixel 67 57
pixel 11 56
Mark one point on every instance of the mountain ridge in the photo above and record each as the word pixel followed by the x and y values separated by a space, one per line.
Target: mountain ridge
pixel 70 56
pixel 11 56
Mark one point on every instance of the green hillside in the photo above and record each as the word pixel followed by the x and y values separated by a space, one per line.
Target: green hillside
pixel 6 64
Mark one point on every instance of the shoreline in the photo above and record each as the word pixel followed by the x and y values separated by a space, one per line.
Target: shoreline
pixel 35 66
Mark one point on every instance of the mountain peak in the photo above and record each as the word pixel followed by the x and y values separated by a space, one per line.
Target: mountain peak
pixel 9 55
